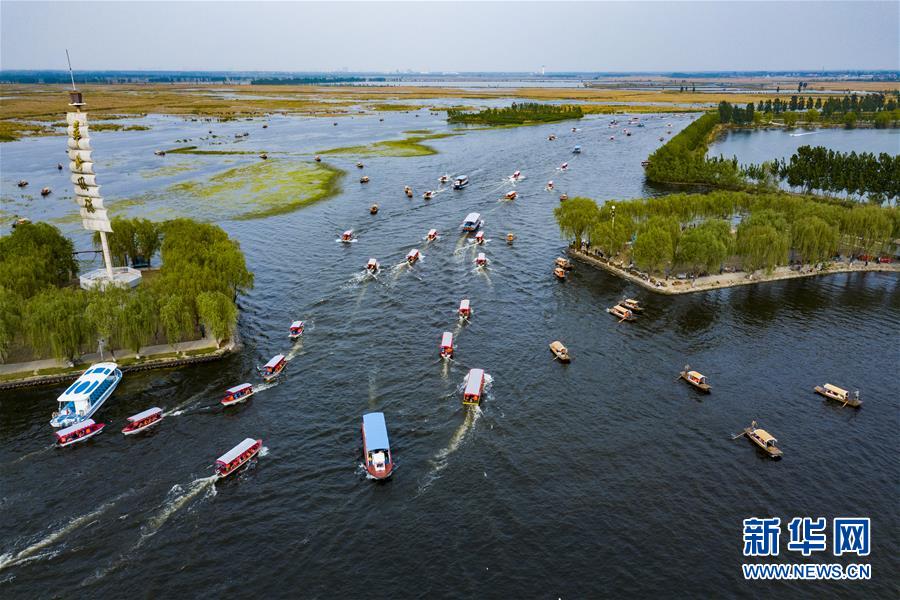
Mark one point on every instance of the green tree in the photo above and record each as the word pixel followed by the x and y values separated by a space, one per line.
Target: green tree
pixel 141 320
pixel 705 247
pixel 812 115
pixel 10 319
pixel 576 217
pixel 218 314
pixel 790 119
pixel 653 248
pixel 176 316
pixel 814 239
pixel 35 256
pixel 850 119
pixel 612 235
pixel 54 323
pixel 106 311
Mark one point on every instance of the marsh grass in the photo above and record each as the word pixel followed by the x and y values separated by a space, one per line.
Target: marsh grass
pixel 405 148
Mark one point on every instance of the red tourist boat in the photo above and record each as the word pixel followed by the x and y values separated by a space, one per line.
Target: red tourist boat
pixel 296 330
pixel 141 421
pixel 237 394
pixel 465 310
pixel 376 447
pixel 511 195
pixel 273 368
pixel 413 256
pixel 481 260
pixel 78 432
pixel 447 345
pixel 479 238
pixel 347 236
pixel 432 235
pixel 235 458
pixel 474 387
pixel 372 266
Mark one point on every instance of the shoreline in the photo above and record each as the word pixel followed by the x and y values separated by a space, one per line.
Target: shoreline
pixel 727 280
pixel 169 356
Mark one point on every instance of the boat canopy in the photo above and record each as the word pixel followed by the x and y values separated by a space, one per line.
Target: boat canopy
pixel 278 358
pixel 765 436
pixel 474 381
pixel 238 388
pixel 432 232
pixel 236 451
pixel 462 178
pixel 836 390
pixel 297 325
pixel 73 428
pixel 472 217
pixel 375 432
pixel 82 388
pixel 696 375
pixel 464 304
pixel 372 262
pixel 557 345
pixel 413 252
pixel 144 414
pixel 447 340
pixel 347 233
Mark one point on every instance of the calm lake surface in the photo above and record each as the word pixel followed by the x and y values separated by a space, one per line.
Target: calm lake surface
pixel 602 478
pixel 760 145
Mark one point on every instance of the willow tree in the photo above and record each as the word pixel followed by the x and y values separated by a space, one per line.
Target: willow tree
pixel 10 319
pixel 106 311
pixel 611 235
pixel 141 320
pixel 35 256
pixel 218 314
pixel 653 248
pixel 576 217
pixel 706 246
pixel 54 323
pixel 176 318
pixel 814 239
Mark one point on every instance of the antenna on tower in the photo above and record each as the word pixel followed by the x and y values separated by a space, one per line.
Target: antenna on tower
pixel 71 75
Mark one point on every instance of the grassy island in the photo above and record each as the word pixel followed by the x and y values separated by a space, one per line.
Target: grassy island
pixel 518 114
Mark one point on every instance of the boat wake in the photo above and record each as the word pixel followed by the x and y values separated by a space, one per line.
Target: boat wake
pixel 441 458
pixel 11 559
pixel 804 133
pixel 177 498
pixel 296 349
pixel 30 454
pixel 179 409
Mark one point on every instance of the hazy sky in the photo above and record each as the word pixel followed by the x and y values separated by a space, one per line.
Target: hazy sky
pixel 450 36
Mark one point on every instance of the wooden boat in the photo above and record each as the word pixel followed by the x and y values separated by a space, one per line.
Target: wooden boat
pixel 376 446
pixel 20 221
pixel 273 368
pixel 479 238
pixel 563 263
pixel 237 457
pixel 564 166
pixel 510 238
pixel 318 158
pixel 560 351
pixel 347 236
pixel 460 182
pixel 560 273
pixel 408 191
pixel 549 187
pixel 465 309
pixel 428 195
pixel 696 379
pixel 372 266
pixel 763 439
pixel 551 137
pixel 160 152
pixel 833 392
pixel 516 175
pixel 481 260
pixel 22 183
pixel 264 156
pixel 621 312
pixel 237 394
pixel 364 179
pixel 78 433
pixel 296 330
pixel 472 222
pixel 474 387
pixel 412 257
pixel 563 197
pixel 632 305
pixel 432 235
pixel 359 165
pixel 443 179
pixel 45 191
pixel 511 195
pixel 446 350
pixel 143 420
pixel 373 210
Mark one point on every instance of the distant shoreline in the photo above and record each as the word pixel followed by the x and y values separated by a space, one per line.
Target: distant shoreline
pixel 727 280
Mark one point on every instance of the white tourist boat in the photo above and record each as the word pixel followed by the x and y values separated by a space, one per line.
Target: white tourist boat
pixel 87 394
pixel 472 222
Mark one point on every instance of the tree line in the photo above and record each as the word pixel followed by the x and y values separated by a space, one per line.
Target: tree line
pixel 818 168
pixel 883 111
pixel 701 232
pixel 516 114
pixel 194 291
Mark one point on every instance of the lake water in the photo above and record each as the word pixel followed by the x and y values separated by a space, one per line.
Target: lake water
pixel 756 146
pixel 605 477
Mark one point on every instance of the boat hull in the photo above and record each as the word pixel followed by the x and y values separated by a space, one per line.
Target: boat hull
pixel 375 474
pixel 853 402
pixel 226 472
pixel 773 453
pixel 240 400
pixel 72 420
pixel 83 438
pixel 127 431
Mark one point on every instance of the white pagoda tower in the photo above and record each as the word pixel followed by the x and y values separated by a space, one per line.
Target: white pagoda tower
pixel 87 195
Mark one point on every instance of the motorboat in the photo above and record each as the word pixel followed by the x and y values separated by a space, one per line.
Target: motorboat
pixel 481 260
pixel 87 394
pixel 465 309
pixel 510 238
pixel 372 266
pixel 408 191
pixel 511 195
pixel 551 137
pixel 576 150
pixel 159 152
pixel 373 210
pixel 432 235
pixel 79 432
pixel 359 165
pixel 563 263
pixel 564 166
pixel 515 176
pixel 460 182
pixel 559 273
pixel 318 158
pixel 237 394
pixel 428 195
pixel 632 304
pixel 560 351
pixel 296 330
pixel 412 257
pixel 364 179
pixel 264 156
pixel 764 440
pixel 376 446
pixel 46 191
pixel 273 368
pixel 22 183
pixel 474 387
pixel 347 236
pixel 621 312
pixel 472 222
pixel 479 238
pixel 143 420
pixel 696 379
pixel 833 392
pixel 237 457
pixel 563 197
pixel 443 179
pixel 446 350
pixel 612 138
pixel 549 187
